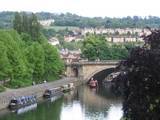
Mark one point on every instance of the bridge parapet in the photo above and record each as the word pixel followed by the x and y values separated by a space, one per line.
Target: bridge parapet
pixel 95 62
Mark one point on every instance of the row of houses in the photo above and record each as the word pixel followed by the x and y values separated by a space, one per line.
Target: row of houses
pixel 115 39
pixel 113 35
pixel 70 56
pixel 124 39
pixel 119 31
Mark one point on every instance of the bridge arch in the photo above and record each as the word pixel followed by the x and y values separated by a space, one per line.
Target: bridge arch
pixel 105 71
pixel 75 71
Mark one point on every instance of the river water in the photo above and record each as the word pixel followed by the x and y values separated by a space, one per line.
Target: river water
pixel 81 104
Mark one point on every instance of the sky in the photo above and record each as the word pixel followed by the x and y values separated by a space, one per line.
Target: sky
pixel 90 8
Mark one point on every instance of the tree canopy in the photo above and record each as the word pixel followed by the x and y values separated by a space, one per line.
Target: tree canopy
pixel 69 19
pixel 95 47
pixel 26 56
pixel 142 80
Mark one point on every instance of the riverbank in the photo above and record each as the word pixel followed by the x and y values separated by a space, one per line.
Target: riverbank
pixel 37 90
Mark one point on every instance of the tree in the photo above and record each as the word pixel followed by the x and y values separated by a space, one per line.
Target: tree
pixel 34 27
pixel 15 55
pixel 96 47
pixel 17 22
pixel 91 46
pixel 35 57
pixel 142 80
pixel 53 65
pixel 5 68
pixel 25 23
pixel 29 25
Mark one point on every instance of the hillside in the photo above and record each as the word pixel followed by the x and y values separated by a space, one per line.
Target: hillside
pixel 69 19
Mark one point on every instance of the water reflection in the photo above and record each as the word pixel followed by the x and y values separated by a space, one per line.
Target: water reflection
pixel 92 104
pixel 82 104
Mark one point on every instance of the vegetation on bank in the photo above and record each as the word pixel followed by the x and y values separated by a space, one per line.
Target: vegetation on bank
pixel 2 88
pixel 96 47
pixel 26 56
pixel 141 80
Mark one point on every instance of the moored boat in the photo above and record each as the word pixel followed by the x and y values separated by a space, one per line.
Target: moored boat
pixel 23 103
pixel 93 83
pixel 68 87
pixel 53 94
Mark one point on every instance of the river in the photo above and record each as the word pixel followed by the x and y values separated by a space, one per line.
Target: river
pixel 81 104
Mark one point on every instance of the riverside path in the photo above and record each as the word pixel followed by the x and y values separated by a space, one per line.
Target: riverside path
pixel 37 90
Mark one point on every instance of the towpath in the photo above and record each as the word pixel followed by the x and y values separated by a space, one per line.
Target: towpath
pixel 37 90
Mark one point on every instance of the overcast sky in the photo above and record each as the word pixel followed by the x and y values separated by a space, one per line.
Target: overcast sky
pixel 91 8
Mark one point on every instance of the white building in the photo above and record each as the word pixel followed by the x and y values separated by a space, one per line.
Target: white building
pixel 53 41
pixel 46 23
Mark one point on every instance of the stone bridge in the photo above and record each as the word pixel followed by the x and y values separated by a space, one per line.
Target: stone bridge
pixel 87 69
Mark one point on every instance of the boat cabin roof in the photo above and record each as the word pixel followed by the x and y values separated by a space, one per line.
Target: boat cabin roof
pixel 53 89
pixel 21 98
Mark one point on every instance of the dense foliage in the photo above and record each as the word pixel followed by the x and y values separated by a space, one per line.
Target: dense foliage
pixel 27 57
pixel 142 80
pixel 95 47
pixel 27 24
pixel 69 19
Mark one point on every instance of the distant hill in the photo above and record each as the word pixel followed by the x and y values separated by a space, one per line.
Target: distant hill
pixel 74 20
pixel 6 19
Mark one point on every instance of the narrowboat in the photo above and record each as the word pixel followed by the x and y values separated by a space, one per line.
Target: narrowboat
pixel 53 94
pixel 23 103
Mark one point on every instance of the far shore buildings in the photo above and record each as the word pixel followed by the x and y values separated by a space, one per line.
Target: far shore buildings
pixel 70 38
pixel 116 31
pixel 46 23
pixel 121 39
pixel 70 56
pixel 53 41
pixel 112 35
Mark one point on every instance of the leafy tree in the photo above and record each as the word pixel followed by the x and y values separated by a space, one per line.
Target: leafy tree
pixel 69 19
pixel 92 46
pixel 15 55
pixel 142 80
pixel 53 65
pixel 25 23
pixel 17 23
pixel 35 57
pixel 30 25
pixel 96 47
pixel 5 67
pixel 27 57
pixel 34 27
